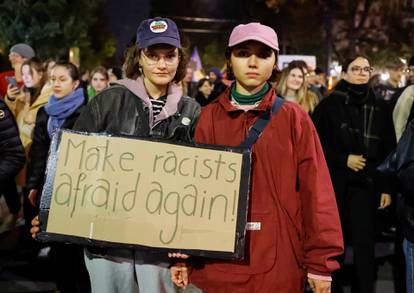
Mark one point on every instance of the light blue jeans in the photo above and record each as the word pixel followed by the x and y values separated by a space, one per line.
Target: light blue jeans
pixel 409 264
pixel 129 271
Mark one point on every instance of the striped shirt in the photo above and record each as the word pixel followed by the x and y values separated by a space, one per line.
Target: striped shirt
pixel 157 105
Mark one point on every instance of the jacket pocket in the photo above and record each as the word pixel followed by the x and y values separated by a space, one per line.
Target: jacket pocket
pixel 260 247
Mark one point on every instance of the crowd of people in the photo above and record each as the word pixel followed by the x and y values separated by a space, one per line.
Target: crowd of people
pixel 315 183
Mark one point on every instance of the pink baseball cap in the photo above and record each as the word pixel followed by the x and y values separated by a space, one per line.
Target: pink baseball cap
pixel 254 31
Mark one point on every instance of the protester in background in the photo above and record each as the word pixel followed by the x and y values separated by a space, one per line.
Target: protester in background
pixel 352 127
pixel 114 74
pixel 18 54
pixel 204 89
pixel 215 77
pixel 292 87
pixel 61 111
pixel 395 68
pixel 12 159
pixel 25 104
pixel 189 85
pixel 148 103
pixel 292 199
pixel 317 83
pixel 99 81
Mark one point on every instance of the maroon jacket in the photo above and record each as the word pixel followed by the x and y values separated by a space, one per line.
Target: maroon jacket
pixel 291 196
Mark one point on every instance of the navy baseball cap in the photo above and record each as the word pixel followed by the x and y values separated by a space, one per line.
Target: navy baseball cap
pixel 158 31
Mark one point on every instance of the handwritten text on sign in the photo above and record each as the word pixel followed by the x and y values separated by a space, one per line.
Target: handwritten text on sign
pixel 148 193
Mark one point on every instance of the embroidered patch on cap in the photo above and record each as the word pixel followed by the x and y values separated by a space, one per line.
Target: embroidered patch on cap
pixel 158 26
pixel 2 114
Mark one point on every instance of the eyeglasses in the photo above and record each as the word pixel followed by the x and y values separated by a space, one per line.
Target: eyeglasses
pixel 358 69
pixel 153 58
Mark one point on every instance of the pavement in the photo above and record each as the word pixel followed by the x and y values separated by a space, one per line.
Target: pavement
pixel 22 271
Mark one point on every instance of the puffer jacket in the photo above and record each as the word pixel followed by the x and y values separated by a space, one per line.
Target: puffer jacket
pixel 11 149
pixel 26 119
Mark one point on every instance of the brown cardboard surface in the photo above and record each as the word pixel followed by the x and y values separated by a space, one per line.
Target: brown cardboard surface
pixel 147 193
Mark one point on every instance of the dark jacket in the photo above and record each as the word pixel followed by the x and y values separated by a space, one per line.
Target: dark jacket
pixel 125 109
pixel 12 156
pixel 40 148
pixel 351 124
pixel 399 165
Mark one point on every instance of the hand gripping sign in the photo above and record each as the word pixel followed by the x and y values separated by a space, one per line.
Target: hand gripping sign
pixel 150 194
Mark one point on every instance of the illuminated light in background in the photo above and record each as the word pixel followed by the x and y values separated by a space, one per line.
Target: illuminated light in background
pixel 385 76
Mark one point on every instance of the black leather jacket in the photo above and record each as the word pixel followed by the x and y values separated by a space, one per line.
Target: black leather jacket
pixel 12 156
pixel 118 111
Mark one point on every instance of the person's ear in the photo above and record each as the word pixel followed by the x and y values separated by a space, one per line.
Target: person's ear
pixel 76 84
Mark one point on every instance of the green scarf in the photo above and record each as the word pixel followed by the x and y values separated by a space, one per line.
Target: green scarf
pixel 241 99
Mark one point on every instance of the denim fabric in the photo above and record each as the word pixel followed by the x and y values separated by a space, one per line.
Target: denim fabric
pixel 409 263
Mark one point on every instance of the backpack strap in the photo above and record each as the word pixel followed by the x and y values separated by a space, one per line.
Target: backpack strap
pixel 256 130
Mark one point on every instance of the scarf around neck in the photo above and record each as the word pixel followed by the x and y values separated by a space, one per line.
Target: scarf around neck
pixel 60 109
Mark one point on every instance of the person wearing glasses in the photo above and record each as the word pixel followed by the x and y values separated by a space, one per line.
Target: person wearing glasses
pixel 353 129
pixel 148 103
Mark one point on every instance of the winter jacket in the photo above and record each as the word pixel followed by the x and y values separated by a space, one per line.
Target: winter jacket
pixel 125 108
pixel 26 119
pixel 40 148
pixel 341 119
pixel 399 165
pixel 291 197
pixel 402 111
pixel 11 150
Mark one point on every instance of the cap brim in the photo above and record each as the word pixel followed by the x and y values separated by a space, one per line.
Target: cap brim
pixel 160 40
pixel 254 38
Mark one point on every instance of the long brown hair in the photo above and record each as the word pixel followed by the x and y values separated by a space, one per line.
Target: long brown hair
pixel 37 65
pixel 305 98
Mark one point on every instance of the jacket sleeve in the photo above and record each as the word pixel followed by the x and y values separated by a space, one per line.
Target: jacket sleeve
pixel 322 229
pixel 38 153
pixel 320 116
pixel 17 104
pixel 12 155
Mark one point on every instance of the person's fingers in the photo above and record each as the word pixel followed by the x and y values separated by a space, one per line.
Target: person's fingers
pixel 35 221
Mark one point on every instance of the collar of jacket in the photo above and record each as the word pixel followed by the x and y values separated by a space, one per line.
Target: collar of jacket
pixel 266 104
pixel 137 87
pixel 43 98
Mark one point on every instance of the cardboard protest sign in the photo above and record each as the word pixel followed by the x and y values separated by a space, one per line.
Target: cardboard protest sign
pixel 123 191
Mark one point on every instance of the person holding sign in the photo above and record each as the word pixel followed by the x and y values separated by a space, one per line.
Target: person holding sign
pixel 293 228
pixel 149 103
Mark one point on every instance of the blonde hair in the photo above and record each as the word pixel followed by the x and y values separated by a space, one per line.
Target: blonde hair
pixel 305 97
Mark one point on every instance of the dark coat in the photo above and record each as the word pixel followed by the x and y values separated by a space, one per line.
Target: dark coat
pixel 12 156
pixel 400 167
pixel 340 125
